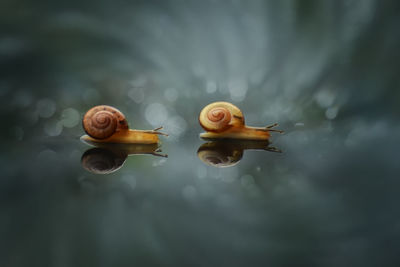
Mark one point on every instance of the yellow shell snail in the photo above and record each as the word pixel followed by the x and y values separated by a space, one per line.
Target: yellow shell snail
pixel 106 124
pixel 225 120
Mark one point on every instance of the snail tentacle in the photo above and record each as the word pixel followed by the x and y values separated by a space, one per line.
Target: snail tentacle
pixel 269 128
pixel 156 131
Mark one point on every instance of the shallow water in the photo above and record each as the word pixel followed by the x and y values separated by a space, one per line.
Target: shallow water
pixel 326 72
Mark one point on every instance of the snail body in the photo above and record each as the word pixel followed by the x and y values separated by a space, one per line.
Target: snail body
pixel 106 124
pixel 225 120
pixel 126 137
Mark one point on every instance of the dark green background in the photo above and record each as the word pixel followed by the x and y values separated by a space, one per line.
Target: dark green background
pixel 327 71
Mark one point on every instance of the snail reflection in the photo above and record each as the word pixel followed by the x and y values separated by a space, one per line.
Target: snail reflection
pixel 107 158
pixel 227 153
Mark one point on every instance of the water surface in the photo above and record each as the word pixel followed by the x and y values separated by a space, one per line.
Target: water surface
pixel 327 72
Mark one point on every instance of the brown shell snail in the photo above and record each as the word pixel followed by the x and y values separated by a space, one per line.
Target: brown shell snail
pixel 106 124
pixel 225 120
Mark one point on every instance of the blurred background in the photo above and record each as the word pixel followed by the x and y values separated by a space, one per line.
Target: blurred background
pixel 326 71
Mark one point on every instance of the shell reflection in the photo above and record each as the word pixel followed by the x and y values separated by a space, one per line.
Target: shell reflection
pixel 102 161
pixel 226 153
pixel 107 158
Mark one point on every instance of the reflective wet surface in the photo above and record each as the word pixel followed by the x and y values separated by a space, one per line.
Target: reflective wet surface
pixel 324 193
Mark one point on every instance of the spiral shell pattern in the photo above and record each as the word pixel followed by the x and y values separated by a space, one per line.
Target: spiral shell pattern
pixel 219 116
pixel 101 122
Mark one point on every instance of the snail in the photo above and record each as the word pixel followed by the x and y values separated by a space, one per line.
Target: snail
pixel 106 124
pixel 228 153
pixel 225 120
pixel 108 158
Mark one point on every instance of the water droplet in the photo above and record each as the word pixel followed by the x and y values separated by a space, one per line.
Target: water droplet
pixel 70 117
pixel 171 94
pixel 211 87
pixel 46 107
pixel 136 94
pixel 238 90
pixel 156 114
pixel 331 113
pixel 53 128
pixel 23 99
pixel 325 98
pixel 175 126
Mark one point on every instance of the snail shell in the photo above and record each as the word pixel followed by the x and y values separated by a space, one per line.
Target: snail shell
pixel 219 155
pixel 103 121
pixel 102 161
pixel 220 116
